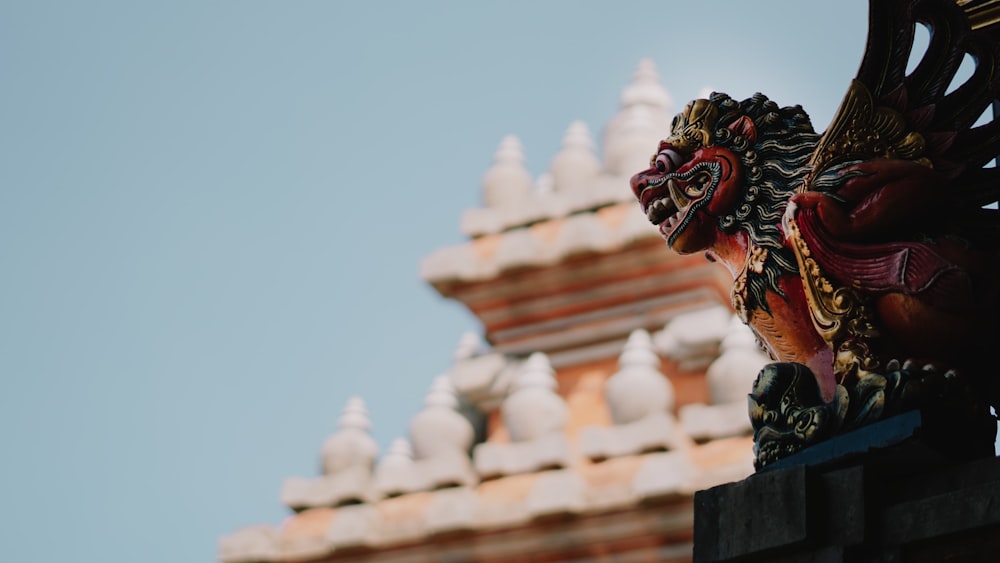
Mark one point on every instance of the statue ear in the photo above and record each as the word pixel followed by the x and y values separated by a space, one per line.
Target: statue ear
pixel 744 126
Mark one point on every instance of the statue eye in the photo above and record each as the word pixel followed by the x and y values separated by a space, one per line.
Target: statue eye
pixel 668 161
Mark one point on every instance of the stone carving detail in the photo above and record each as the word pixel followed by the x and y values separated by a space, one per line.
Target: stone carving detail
pixel 862 253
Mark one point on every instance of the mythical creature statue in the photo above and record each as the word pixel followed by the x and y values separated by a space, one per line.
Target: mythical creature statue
pixel 866 260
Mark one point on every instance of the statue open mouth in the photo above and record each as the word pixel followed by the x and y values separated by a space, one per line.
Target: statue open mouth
pixel 670 200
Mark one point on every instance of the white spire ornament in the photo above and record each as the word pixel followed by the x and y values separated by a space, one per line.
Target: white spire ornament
pixel 645 89
pixel 507 182
pixel 576 165
pixel 399 454
pixel 631 136
pixel 534 409
pixel 470 345
pixel 638 389
pixel 730 377
pixel 350 445
pixel 439 428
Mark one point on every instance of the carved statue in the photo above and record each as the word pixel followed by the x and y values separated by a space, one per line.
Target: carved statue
pixel 866 259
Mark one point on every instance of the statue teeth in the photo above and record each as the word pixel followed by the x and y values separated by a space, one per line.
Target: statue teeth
pixel 656 207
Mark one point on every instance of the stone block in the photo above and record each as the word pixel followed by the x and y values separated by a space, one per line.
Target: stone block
pixel 550 451
pixel 580 234
pixel 519 248
pixel 654 432
pixel 703 422
pixel 452 510
pixel 304 549
pixel 557 492
pixel 251 544
pixel 454 262
pixel 353 484
pixel 392 481
pixel 693 334
pixel 523 212
pixel 730 519
pixel 480 221
pixel 446 470
pixel 664 475
pixel 353 526
pixel 401 519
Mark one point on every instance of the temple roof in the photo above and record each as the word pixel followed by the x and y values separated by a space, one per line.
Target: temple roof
pixel 601 383
pixel 600 437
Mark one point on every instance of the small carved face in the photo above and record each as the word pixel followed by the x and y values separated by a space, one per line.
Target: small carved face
pixel 686 188
pixel 787 412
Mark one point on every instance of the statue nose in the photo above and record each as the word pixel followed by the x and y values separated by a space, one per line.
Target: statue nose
pixel 638 183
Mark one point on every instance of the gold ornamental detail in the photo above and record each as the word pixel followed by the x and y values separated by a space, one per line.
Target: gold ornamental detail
pixel 863 131
pixel 754 262
pixel 839 314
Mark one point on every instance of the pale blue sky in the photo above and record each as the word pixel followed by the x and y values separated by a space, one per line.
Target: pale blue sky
pixel 212 216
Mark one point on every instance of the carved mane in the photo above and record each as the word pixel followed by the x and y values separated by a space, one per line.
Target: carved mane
pixel 775 165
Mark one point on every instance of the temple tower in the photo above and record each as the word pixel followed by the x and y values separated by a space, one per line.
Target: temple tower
pixel 579 421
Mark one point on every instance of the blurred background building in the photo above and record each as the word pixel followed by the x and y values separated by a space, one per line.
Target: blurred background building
pixel 607 386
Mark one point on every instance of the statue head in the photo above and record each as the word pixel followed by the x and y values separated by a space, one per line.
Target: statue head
pixel 728 166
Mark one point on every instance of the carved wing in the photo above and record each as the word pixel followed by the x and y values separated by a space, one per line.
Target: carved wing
pixel 888 113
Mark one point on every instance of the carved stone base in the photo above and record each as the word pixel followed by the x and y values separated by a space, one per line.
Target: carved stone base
pixel 788 413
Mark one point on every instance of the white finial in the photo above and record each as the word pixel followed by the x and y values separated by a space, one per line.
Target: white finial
pixel 510 151
pixel 470 345
pixel 645 88
pixel 439 427
pixel 350 445
pixel 396 472
pixel 639 351
pixel 738 337
pixel 632 135
pixel 576 165
pixel 731 375
pixel 399 453
pixel 355 415
pixel 507 181
pixel 533 409
pixel 536 373
pixel 638 389
pixel 441 393
pixel 577 137
pixel 545 184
